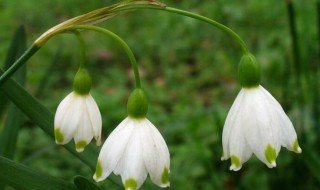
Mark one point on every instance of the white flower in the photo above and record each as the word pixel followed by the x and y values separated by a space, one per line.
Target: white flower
pixel 256 123
pixel 77 117
pixel 134 149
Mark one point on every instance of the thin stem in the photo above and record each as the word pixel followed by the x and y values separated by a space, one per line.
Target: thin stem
pixel 121 42
pixel 294 37
pixel 222 27
pixel 82 49
pixel 35 47
pixel 316 108
pixel 298 70
pixel 16 65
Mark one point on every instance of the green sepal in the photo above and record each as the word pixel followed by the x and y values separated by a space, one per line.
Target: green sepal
pixel 137 105
pixel 249 71
pixel 82 82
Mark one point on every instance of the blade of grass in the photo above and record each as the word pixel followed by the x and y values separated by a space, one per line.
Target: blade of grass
pixel 24 178
pixel 16 48
pixel 41 116
pixel 316 105
pixel 10 131
pixel 298 69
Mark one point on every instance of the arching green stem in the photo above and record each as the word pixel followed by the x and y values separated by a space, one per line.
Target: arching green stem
pixel 82 48
pixel 121 42
pixel 224 28
pixel 19 62
pixel 35 47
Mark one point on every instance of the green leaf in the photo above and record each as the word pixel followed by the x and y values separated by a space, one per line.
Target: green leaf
pixel 24 178
pixel 41 116
pixel 83 183
pixel 17 47
pixel 10 131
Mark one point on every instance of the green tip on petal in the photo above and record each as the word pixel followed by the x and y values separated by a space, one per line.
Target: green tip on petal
pixel 58 136
pixel 235 160
pixel 137 105
pixel 271 155
pixel 296 147
pixel 81 145
pixel 99 170
pixel 164 176
pixel 130 184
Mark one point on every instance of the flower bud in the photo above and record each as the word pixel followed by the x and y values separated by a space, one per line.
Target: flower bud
pixel 249 71
pixel 137 105
pixel 82 82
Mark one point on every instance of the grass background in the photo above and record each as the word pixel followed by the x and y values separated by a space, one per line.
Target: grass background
pixel 189 71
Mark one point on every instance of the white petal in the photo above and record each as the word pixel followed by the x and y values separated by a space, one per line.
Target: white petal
pixel 230 123
pixel 68 123
pixel 114 147
pixel 288 135
pixel 131 166
pixel 259 126
pixel 240 151
pixel 84 133
pixel 95 118
pixel 156 154
pixel 62 109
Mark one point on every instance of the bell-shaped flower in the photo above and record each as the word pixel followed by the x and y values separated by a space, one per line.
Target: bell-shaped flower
pixel 78 115
pixel 256 123
pixel 134 149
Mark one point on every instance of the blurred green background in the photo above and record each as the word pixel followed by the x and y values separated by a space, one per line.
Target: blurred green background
pixel 189 71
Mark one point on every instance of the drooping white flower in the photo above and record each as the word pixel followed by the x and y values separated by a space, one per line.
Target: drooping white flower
pixel 256 123
pixel 134 149
pixel 77 117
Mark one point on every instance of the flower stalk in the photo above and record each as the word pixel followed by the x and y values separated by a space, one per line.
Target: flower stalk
pixel 105 13
pixel 121 42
